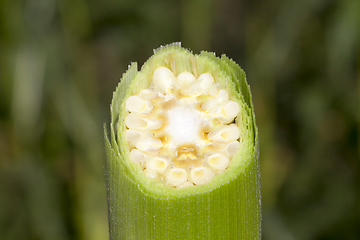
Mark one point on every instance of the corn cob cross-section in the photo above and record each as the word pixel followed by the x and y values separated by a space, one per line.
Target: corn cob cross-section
pixel 182 158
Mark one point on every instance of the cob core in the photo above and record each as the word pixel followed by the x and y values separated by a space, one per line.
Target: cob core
pixel 182 160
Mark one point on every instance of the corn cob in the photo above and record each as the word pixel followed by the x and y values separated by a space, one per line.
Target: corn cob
pixel 182 159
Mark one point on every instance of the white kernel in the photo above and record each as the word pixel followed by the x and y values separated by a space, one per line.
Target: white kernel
pixel 218 161
pixel 213 90
pixel 184 81
pixel 157 164
pixel 201 175
pixel 232 147
pixel 176 177
pixel 137 156
pixel 154 123
pixel 135 122
pixel 225 134
pixel 132 135
pixel 202 86
pixel 163 79
pixel 138 123
pixel 147 94
pixel 229 112
pixel 149 144
pixel 206 78
pixel 214 105
pixel 136 104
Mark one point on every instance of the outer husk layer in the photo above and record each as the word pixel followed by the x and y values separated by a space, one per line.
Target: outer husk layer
pixel 226 208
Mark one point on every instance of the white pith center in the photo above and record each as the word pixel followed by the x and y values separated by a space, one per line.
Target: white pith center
pixel 184 124
pixel 180 131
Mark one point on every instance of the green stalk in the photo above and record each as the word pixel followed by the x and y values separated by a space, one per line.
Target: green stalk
pixel 228 207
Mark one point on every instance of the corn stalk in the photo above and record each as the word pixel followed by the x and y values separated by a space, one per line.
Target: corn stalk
pixel 225 207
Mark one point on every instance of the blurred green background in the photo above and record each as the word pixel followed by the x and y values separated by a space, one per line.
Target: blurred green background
pixel 60 61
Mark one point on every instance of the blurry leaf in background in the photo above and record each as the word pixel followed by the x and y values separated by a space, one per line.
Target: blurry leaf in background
pixel 61 60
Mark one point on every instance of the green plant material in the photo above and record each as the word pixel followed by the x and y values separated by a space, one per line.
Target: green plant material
pixel 228 207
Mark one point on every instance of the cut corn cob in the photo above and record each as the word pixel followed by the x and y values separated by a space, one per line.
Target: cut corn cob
pixel 176 101
pixel 183 151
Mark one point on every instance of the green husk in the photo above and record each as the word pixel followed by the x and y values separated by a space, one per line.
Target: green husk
pixel 226 208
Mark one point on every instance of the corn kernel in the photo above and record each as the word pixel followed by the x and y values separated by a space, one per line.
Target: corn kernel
pixel 157 164
pixel 149 144
pixel 147 94
pixel 137 156
pixel 132 135
pixel 232 147
pixel 226 133
pixel 163 79
pixel 214 105
pixel 201 175
pixel 229 112
pixel 136 104
pixel 218 161
pixel 133 121
pixel 202 86
pixel 176 177
pixel 184 82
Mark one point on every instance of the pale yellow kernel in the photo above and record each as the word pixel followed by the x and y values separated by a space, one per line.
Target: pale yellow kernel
pixel 149 144
pixel 137 156
pixel 232 147
pixel 213 90
pixel 148 94
pixel 201 175
pixel 132 135
pixel 226 133
pixel 214 105
pixel 157 164
pixel 202 85
pixel 229 112
pixel 135 122
pixel 176 177
pixel 184 82
pixel 136 104
pixel 218 161
pixel 163 79
pixel 154 124
pixel 206 79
